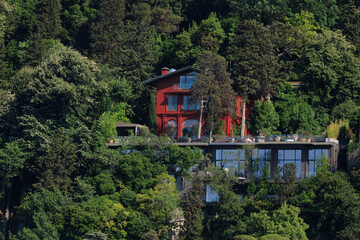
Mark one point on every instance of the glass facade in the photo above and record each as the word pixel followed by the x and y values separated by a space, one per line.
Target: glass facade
pixel 290 156
pixel 172 103
pixel 232 159
pixel 260 158
pixel 315 154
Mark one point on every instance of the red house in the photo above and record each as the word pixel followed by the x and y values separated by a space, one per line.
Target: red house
pixel 177 112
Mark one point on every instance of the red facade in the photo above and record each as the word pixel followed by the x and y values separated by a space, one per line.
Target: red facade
pixel 174 108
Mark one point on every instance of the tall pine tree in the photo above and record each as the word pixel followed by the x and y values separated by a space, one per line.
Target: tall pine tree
pixel 107 33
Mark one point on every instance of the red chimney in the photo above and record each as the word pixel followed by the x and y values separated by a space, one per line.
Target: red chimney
pixel 164 70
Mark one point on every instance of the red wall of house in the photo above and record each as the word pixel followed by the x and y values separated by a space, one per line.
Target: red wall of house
pixel 165 88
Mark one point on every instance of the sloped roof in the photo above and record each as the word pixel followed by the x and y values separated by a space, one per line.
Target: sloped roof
pixel 153 80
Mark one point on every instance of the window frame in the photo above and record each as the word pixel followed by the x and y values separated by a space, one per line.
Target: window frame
pixel 286 159
pixel 312 159
pixel 171 99
pixel 186 81
pixel 186 105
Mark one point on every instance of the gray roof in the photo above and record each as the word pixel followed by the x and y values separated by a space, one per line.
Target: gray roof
pixel 152 80
pixel 128 125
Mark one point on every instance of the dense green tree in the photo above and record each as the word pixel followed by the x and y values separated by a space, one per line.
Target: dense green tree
pixel 138 172
pixel 253 63
pixel 214 84
pixel 47 27
pixel 331 71
pixel 58 164
pixel 98 214
pixel 284 221
pixel 107 33
pixel 161 203
pixel 185 157
pixel 329 204
pixel 76 17
pixel 192 206
pixel 263 117
pixel 295 113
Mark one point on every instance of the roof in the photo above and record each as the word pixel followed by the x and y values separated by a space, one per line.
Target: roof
pixel 152 80
pixel 128 125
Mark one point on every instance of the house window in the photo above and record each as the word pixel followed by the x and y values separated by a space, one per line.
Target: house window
pixel 211 194
pixel 171 129
pixel 190 127
pixel 232 159
pixel 187 81
pixel 172 103
pixel 260 158
pixel 290 156
pixel 315 154
pixel 190 104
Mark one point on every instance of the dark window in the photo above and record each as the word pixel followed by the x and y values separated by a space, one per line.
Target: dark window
pixel 290 156
pixel 315 154
pixel 232 159
pixel 172 103
pixel 187 81
pixel 190 104
pixel 260 158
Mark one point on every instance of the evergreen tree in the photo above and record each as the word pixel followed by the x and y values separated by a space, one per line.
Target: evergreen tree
pixel 57 166
pixel 253 63
pixel 47 26
pixel 192 206
pixel 215 84
pixel 107 33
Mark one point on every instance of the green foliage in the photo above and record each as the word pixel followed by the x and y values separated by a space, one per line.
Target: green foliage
pixel 254 65
pixel 230 215
pixel 97 214
pixel 185 158
pixel 192 206
pixel 137 171
pixel 283 221
pixel 108 119
pixel 331 71
pixel 58 164
pixel 160 202
pixel 95 236
pixel 107 29
pixel 305 22
pixel 244 237
pixel 12 158
pixel 339 130
pixel 264 117
pixel 104 184
pixel 273 237
pixel 214 84
pixel 296 114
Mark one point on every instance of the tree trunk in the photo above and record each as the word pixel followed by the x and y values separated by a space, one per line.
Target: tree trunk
pixel 243 119
pixel 7 212
pixel 200 118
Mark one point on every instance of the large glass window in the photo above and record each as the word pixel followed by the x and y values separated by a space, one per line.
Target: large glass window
pixel 172 103
pixel 211 194
pixel 232 159
pixel 260 158
pixel 315 154
pixel 187 81
pixel 190 127
pixel 190 104
pixel 290 156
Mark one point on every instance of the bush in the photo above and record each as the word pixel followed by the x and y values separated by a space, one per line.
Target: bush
pixel 244 237
pixel 273 237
